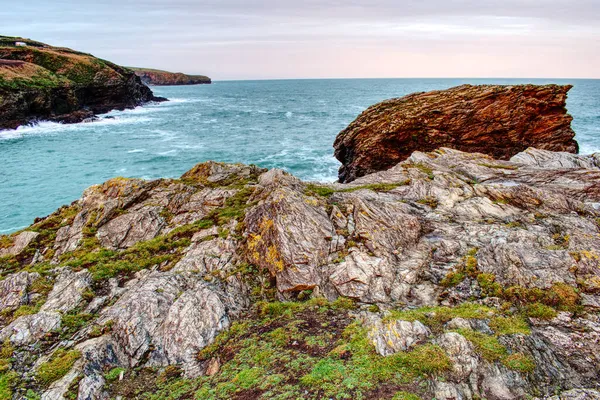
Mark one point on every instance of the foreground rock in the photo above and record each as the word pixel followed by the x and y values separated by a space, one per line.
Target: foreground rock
pixel 497 120
pixel 41 82
pixel 163 78
pixel 450 275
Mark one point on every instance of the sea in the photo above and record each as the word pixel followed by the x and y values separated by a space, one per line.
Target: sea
pixel 287 124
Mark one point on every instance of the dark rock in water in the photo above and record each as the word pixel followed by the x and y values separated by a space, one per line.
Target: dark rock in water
pixel 40 82
pixel 164 78
pixel 497 120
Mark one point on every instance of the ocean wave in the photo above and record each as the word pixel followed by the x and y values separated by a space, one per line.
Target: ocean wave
pixel 50 128
pixel 168 153
pixel 136 150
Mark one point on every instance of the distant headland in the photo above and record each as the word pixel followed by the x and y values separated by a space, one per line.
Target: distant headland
pixel 42 82
pixel 157 77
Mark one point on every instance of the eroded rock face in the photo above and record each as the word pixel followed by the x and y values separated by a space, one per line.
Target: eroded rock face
pixel 167 318
pixel 21 241
pixel 68 291
pixel 156 270
pixel 14 290
pixel 29 328
pixel 497 120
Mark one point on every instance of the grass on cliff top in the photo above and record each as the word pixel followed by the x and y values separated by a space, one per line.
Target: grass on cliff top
pixel 29 76
pixel 292 350
pixel 52 67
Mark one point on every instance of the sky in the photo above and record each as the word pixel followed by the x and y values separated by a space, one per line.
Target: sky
pixel 274 39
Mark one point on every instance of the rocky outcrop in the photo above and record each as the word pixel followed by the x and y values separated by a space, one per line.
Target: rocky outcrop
pixel 497 120
pixel 451 275
pixel 41 82
pixel 163 78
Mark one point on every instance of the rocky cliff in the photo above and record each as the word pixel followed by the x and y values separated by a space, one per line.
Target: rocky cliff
pixel 451 275
pixel 41 82
pixel 163 78
pixel 497 120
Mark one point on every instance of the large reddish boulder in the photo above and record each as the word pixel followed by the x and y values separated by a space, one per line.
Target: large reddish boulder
pixel 497 120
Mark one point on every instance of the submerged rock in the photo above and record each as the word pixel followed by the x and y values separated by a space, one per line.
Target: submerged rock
pixel 497 120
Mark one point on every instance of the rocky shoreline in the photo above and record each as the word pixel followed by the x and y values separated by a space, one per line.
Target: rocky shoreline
pixel 39 82
pixel 450 275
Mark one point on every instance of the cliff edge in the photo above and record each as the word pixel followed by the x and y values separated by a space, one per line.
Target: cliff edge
pixel 41 82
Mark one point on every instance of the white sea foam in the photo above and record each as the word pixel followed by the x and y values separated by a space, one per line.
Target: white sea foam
pixel 50 128
pixel 136 151
pixel 168 153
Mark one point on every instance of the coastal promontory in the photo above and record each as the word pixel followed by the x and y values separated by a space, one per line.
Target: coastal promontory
pixel 42 82
pixel 491 119
pixel 157 77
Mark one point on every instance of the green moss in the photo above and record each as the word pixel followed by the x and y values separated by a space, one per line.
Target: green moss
pixel 519 362
pixel 6 241
pixel 72 322
pixel 344 303
pixel 486 345
pixel 541 311
pixel 489 286
pixel 435 317
pixel 499 166
pixel 325 191
pixel 402 395
pixel 318 190
pixel 429 201
pixel 312 349
pixel 113 374
pixel 8 381
pixel 61 362
pixel 509 325
pixel 427 170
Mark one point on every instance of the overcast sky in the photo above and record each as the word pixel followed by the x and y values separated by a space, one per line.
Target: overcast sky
pixel 261 39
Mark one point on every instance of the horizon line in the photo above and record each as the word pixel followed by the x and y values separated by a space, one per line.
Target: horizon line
pixel 391 77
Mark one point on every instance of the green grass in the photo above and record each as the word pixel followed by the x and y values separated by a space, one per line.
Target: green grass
pixel 113 374
pixel 435 317
pixel 541 311
pixel 8 381
pixel 519 362
pixel 402 395
pixel 325 191
pixel 308 350
pixel 58 366
pixel 104 263
pixel 486 345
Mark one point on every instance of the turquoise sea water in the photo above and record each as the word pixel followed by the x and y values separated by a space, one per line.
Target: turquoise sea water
pixel 289 124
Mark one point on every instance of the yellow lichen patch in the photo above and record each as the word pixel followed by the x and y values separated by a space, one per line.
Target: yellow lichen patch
pixel 263 252
pixel 274 258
